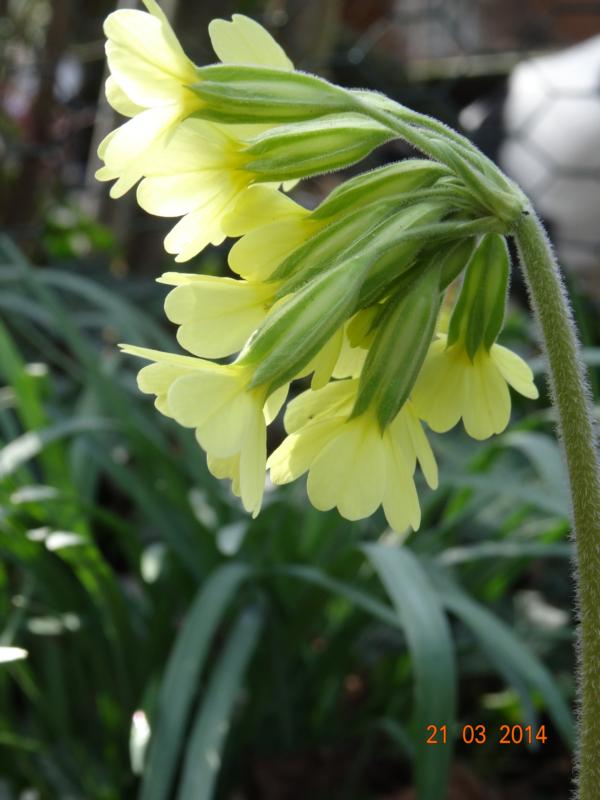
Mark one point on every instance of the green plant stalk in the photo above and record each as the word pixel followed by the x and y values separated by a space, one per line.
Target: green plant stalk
pixel 570 397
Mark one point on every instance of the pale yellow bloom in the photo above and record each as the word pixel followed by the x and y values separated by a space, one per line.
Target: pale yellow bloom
pixel 229 419
pixel 149 80
pixel 200 176
pixel 351 463
pixel 451 386
pixel 244 41
pixel 192 168
pixel 215 315
pixel 339 358
pixel 267 240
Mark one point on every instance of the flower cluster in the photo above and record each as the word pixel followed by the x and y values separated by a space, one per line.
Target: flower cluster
pixel 351 293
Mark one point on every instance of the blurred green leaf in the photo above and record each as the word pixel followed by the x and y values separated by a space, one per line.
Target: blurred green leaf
pixel 507 651
pixel 432 650
pixel 203 753
pixel 180 682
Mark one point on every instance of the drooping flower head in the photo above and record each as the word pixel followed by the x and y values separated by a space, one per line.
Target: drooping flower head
pixel 347 293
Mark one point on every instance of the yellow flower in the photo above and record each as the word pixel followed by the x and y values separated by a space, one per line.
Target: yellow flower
pixel 149 77
pixel 228 418
pixel 451 386
pixel 271 225
pixel 215 315
pixel 149 82
pixel 351 463
pixel 200 176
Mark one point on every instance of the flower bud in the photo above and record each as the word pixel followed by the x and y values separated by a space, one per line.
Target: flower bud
pixel 401 341
pixel 313 147
pixel 238 94
pixel 296 329
pixel 479 312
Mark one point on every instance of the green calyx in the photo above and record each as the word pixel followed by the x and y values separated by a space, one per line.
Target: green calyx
pixel 402 338
pixel 387 183
pixel 313 147
pixel 479 312
pixel 243 94
pixel 296 329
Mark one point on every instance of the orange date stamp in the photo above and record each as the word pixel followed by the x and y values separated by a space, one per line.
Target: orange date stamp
pixel 481 734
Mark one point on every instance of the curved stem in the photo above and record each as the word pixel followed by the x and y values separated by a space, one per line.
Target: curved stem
pixel 570 397
pixel 481 176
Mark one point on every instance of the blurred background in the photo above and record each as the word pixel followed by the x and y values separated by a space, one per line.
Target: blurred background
pixel 297 655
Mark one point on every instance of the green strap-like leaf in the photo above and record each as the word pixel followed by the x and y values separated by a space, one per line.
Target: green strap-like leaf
pixel 203 753
pixel 507 652
pixel 432 651
pixel 182 676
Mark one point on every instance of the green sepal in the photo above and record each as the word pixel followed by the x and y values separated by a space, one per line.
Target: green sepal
pixel 392 180
pixel 479 312
pixel 450 257
pixel 453 259
pixel 246 94
pixel 334 243
pixel 313 147
pixel 295 330
pixel 401 341
pixel 398 246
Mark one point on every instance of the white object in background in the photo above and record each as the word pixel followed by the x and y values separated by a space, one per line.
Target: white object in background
pixel 552 149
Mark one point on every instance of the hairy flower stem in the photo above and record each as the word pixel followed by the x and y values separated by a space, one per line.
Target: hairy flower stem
pixel 570 397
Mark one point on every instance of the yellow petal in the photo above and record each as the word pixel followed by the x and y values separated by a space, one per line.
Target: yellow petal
pixel 297 452
pixel 175 195
pixel 223 468
pixel 118 100
pixel 487 400
pixel 335 400
pixel 257 254
pixel 322 365
pixel 349 472
pixel 104 144
pixel 216 404
pixel 216 315
pixel 400 500
pixel 157 379
pixel 275 403
pixel 351 359
pixel 145 57
pixel 515 371
pixel 131 143
pixel 421 447
pixel 260 205
pixel 244 41
pixel 169 358
pixel 253 459
pixel 193 233
pixel 439 391
pixel 192 145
